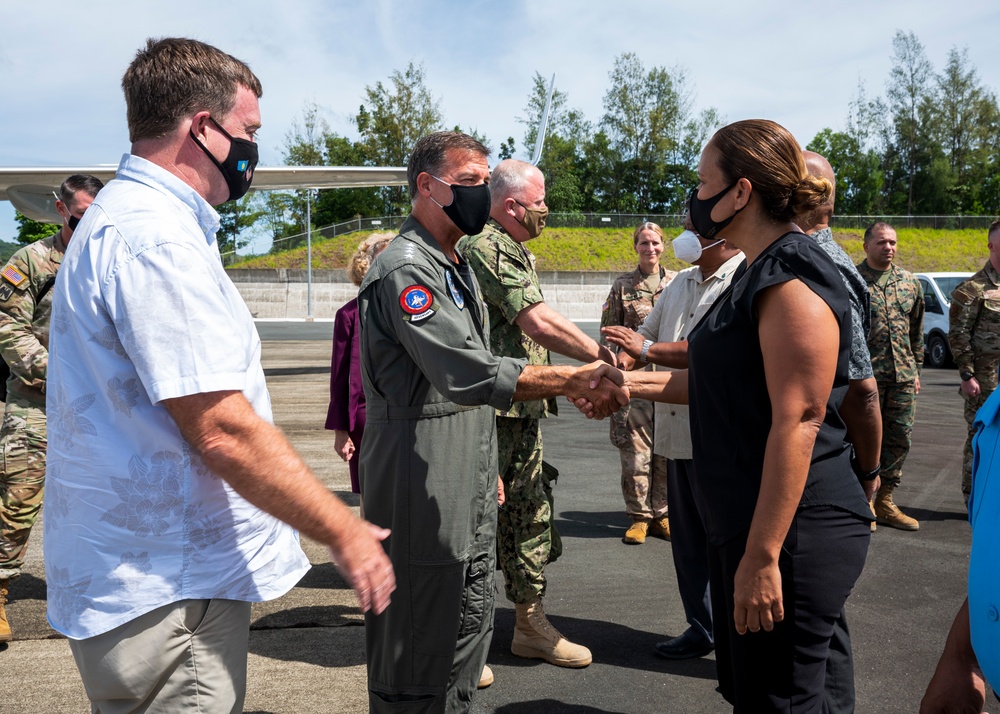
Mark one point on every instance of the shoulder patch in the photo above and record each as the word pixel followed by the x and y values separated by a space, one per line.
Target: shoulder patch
pixel 13 276
pixel 991 294
pixel 417 302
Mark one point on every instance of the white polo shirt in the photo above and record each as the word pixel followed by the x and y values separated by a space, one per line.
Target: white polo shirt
pixel 143 311
pixel 678 310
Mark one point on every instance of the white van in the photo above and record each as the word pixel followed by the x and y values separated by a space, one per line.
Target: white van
pixel 938 288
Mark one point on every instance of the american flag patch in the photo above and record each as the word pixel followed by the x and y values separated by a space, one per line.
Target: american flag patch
pixel 12 275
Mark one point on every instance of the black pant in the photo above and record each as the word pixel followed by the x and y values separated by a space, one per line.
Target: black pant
pixel 785 670
pixel 689 545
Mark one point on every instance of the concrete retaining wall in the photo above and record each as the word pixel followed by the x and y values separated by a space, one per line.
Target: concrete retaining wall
pixel 282 294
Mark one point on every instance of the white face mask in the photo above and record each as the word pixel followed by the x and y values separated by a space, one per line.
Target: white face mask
pixel 687 246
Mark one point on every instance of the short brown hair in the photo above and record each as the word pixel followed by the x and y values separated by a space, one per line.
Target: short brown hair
pixel 878 226
pixel 647 226
pixel 429 154
pixel 362 258
pixel 767 155
pixel 174 77
pixel 994 227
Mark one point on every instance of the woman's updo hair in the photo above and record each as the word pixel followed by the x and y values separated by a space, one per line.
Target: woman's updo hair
pixel 647 226
pixel 362 258
pixel 767 155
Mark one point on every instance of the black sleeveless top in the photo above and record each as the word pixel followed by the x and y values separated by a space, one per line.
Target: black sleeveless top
pixel 730 406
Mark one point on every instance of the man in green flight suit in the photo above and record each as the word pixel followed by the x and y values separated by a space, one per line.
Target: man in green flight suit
pixel 26 283
pixel 522 326
pixel 896 344
pixel 428 460
pixel 974 337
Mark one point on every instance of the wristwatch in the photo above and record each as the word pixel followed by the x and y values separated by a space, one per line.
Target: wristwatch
pixel 646 344
pixel 864 476
pixel 966 376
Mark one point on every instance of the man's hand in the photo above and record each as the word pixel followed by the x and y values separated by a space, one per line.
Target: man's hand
pixel 342 444
pixel 958 685
pixel 625 362
pixel 971 388
pixel 871 487
pixel 362 562
pixel 625 338
pixel 916 385
pixel 501 496
pixel 606 355
pixel 600 385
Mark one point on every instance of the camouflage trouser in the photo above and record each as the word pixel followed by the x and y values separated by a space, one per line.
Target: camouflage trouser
pixel 971 407
pixel 526 535
pixel 22 481
pixel 898 402
pixel 644 475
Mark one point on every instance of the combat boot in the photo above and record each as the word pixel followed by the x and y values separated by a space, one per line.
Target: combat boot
pixel 636 533
pixel 660 527
pixel 536 638
pixel 5 633
pixel 887 513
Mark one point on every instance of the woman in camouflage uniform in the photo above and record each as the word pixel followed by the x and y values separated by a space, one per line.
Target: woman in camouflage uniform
pixel 644 475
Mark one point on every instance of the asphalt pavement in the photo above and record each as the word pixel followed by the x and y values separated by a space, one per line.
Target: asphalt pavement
pixel 307 648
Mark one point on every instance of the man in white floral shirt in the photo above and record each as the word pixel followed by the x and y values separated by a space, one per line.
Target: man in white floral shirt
pixel 170 493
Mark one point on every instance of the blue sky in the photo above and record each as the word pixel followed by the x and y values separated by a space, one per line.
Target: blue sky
pixel 61 62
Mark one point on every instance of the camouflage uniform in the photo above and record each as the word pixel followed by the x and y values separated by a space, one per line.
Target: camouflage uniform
pixel 644 475
pixel 24 341
pixel 974 337
pixel 526 534
pixel 896 344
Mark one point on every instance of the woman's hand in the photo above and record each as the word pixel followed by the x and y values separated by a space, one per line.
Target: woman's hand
pixel 757 602
pixel 342 444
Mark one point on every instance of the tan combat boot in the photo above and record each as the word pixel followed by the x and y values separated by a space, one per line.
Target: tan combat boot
pixel 660 527
pixel 636 533
pixel 5 633
pixel 536 638
pixel 887 513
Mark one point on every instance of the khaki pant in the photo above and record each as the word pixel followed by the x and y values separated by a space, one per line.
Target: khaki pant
pixel 189 656
pixel 644 474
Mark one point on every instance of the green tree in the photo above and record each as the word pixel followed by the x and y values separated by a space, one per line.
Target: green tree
pixel 909 92
pixel 28 231
pixel 394 116
pixel 237 217
pixel 562 156
pixel 964 119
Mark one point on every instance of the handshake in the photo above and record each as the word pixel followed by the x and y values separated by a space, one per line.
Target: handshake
pixel 597 389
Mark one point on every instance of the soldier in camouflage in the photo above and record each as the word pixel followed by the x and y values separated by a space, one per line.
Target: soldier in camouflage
pixel 896 344
pixel 522 325
pixel 644 474
pixel 974 337
pixel 26 283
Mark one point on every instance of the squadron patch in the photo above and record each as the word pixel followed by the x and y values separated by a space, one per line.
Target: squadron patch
pixel 456 295
pixel 417 302
pixel 13 276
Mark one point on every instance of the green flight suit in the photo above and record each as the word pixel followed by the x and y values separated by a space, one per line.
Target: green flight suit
pixel 428 471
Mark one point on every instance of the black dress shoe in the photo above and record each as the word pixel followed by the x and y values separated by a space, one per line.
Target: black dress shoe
pixel 686 646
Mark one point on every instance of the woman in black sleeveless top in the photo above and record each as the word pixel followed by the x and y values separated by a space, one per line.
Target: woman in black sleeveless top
pixel 787 519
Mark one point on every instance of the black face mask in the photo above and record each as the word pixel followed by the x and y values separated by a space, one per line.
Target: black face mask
pixel 72 222
pixel 700 210
pixel 238 167
pixel 469 208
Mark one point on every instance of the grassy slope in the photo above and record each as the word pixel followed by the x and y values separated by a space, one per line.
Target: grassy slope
pixel 611 249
